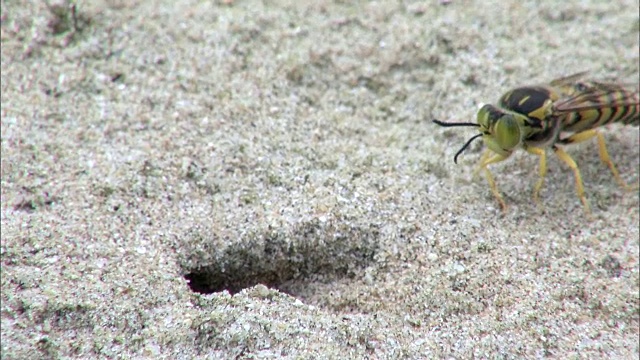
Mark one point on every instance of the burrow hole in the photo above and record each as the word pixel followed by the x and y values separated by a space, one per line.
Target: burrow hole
pixel 287 260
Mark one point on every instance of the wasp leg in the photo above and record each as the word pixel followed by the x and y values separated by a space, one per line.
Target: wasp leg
pixel 562 155
pixel 542 170
pixel 604 154
pixel 487 154
pixel 485 161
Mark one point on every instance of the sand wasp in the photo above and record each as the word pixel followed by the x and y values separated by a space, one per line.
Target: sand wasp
pixel 563 112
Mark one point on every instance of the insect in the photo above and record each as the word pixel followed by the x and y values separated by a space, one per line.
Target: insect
pixel 563 112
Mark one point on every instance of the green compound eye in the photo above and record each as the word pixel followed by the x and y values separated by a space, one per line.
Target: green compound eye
pixel 486 115
pixel 507 132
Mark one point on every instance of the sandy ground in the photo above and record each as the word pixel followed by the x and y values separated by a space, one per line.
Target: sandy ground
pixel 245 179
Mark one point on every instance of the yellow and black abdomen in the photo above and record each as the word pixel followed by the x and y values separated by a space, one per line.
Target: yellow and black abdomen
pixel 599 108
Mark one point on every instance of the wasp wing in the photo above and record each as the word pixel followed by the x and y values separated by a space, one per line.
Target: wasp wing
pixel 568 80
pixel 594 95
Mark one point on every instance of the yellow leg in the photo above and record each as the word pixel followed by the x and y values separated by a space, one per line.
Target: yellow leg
pixel 487 154
pixel 604 154
pixel 485 161
pixel 562 155
pixel 542 170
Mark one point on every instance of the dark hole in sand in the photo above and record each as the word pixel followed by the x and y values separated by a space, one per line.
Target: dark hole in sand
pixel 315 251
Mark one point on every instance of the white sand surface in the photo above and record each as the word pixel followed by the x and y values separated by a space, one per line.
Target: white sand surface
pixel 280 156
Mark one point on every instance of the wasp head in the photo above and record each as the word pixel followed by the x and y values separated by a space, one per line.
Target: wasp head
pixel 500 130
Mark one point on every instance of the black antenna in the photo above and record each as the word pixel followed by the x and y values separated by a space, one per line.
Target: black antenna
pixel 466 145
pixel 455 158
pixel 446 124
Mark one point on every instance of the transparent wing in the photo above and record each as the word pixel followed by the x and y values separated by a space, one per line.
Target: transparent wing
pixel 568 80
pixel 594 95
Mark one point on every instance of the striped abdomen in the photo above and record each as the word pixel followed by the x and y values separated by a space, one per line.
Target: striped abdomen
pixel 597 106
